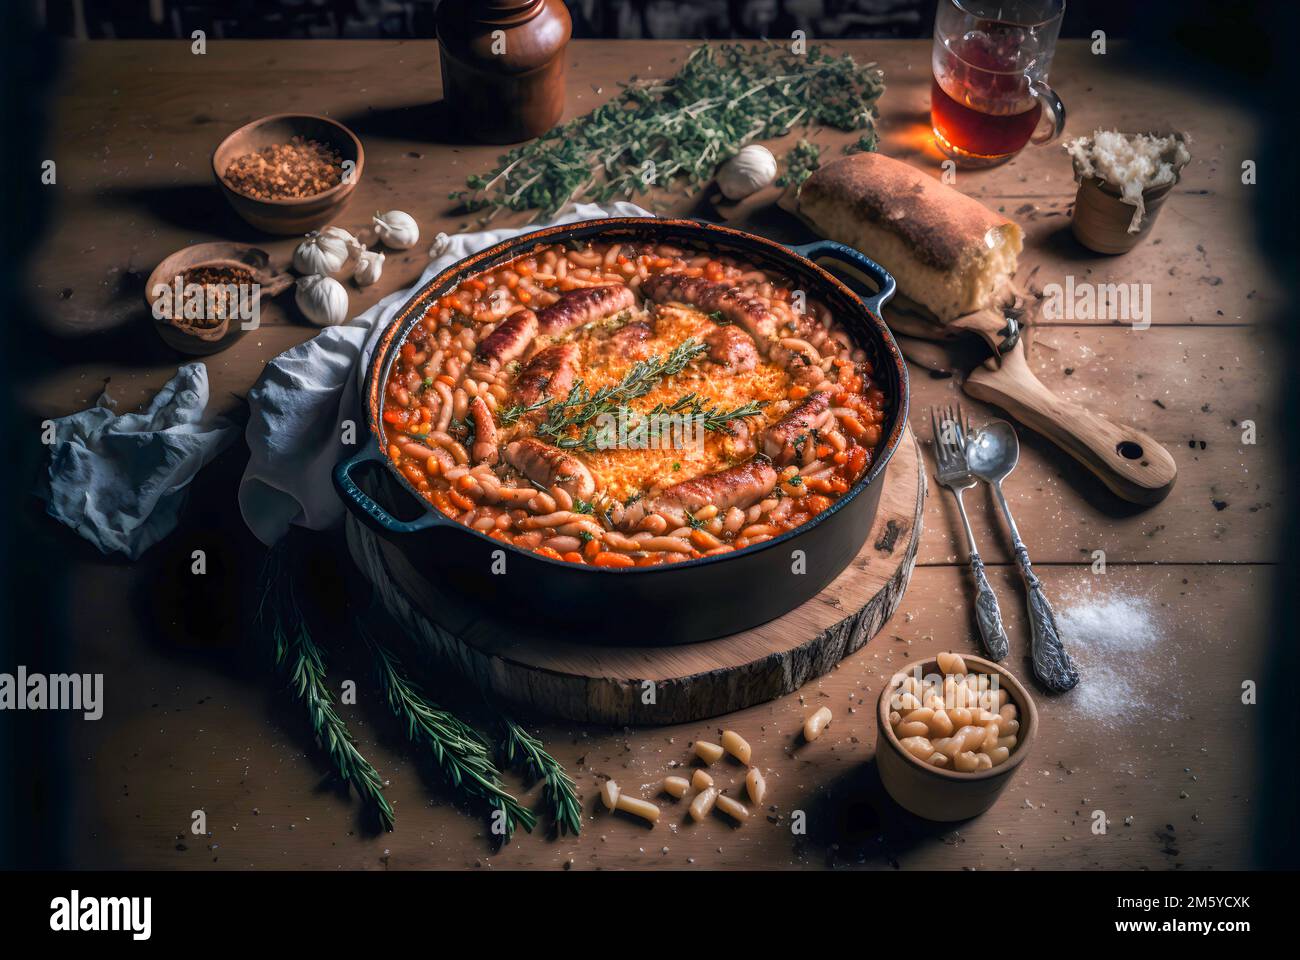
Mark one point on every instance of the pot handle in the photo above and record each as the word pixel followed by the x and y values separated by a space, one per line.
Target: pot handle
pixel 366 509
pixel 886 287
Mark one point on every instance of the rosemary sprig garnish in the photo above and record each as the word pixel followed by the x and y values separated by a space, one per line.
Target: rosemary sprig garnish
pixel 715 419
pixel 460 751
pixel 560 790
pixel 670 133
pixel 582 406
pixel 297 655
pixel 512 414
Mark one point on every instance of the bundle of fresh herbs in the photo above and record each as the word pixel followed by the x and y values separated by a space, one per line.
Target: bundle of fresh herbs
pixel 677 131
pixel 461 753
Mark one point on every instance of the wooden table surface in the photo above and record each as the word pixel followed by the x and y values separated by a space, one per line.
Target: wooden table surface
pixel 192 721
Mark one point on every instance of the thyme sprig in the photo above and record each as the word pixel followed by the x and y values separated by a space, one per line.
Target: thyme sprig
pixel 560 791
pixel 800 163
pixel 663 133
pixel 301 661
pixel 581 405
pixel 460 751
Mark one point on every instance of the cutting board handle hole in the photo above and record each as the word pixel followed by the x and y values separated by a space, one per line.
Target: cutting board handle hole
pixel 1129 450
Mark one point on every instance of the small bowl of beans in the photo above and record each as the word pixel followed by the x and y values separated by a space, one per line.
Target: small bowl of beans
pixel 289 173
pixel 952 731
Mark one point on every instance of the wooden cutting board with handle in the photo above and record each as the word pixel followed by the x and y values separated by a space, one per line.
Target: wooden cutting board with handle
pixel 1131 463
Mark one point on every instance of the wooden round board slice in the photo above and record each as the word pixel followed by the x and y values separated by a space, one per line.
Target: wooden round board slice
pixel 604 684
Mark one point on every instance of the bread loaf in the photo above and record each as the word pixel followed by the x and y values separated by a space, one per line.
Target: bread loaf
pixel 948 252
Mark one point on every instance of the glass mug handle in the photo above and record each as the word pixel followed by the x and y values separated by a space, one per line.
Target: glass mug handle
pixel 1052 107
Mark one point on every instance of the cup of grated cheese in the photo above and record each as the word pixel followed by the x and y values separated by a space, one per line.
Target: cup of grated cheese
pixel 952 731
pixel 1124 179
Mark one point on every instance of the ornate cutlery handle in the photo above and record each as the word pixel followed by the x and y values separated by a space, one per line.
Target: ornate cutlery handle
pixel 987 613
pixel 1052 665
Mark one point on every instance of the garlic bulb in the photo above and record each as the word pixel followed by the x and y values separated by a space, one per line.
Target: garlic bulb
pixel 322 300
pixel 326 252
pixel 370 265
pixel 440 244
pixel 748 171
pixel 397 229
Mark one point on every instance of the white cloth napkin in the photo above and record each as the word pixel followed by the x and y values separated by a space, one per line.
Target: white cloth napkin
pixel 300 402
pixel 119 480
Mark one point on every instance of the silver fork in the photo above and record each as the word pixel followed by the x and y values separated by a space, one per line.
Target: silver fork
pixel 950 455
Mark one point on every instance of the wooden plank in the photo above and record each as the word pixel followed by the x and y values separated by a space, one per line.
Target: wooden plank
pixel 1190 388
pixel 182 736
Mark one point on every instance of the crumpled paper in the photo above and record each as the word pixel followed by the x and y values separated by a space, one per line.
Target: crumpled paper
pixel 119 479
pixel 304 397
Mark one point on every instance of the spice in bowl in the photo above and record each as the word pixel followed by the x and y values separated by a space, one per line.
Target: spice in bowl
pixel 206 297
pixel 286 171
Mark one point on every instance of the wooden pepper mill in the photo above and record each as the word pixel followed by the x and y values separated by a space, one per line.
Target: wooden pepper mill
pixel 503 66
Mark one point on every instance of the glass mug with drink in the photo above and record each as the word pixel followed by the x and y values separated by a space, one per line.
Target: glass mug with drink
pixel 989 91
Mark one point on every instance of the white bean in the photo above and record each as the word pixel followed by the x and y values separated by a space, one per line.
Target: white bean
pixel 732 808
pixel 755 786
pixel 675 786
pixel 952 663
pixel 816 723
pixel 702 805
pixel 708 752
pixel 638 808
pixel 736 745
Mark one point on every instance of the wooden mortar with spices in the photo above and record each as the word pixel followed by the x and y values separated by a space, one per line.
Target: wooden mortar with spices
pixel 503 66
pixel 205 296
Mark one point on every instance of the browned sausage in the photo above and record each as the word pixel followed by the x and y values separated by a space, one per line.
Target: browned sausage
pixel 732 348
pixel 508 341
pixel 485 433
pixel 629 342
pixel 549 373
pixel 550 466
pixel 781 439
pixel 732 302
pixel 578 307
pixel 738 486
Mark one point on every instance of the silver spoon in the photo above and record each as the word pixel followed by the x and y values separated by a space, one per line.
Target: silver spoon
pixel 992 454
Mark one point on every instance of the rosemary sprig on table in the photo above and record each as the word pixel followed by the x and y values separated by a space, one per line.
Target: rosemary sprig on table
pixel 297 655
pixel 460 751
pixel 582 406
pixel 559 789
pixel 680 129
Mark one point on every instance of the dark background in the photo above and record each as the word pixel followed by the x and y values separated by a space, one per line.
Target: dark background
pixel 1242 49
pixel 652 19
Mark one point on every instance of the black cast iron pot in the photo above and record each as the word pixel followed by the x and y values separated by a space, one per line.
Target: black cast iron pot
pixel 481 583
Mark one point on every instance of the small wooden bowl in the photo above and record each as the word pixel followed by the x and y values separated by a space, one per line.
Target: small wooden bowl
pixel 1101 218
pixel 257 262
pixel 947 795
pixel 290 216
